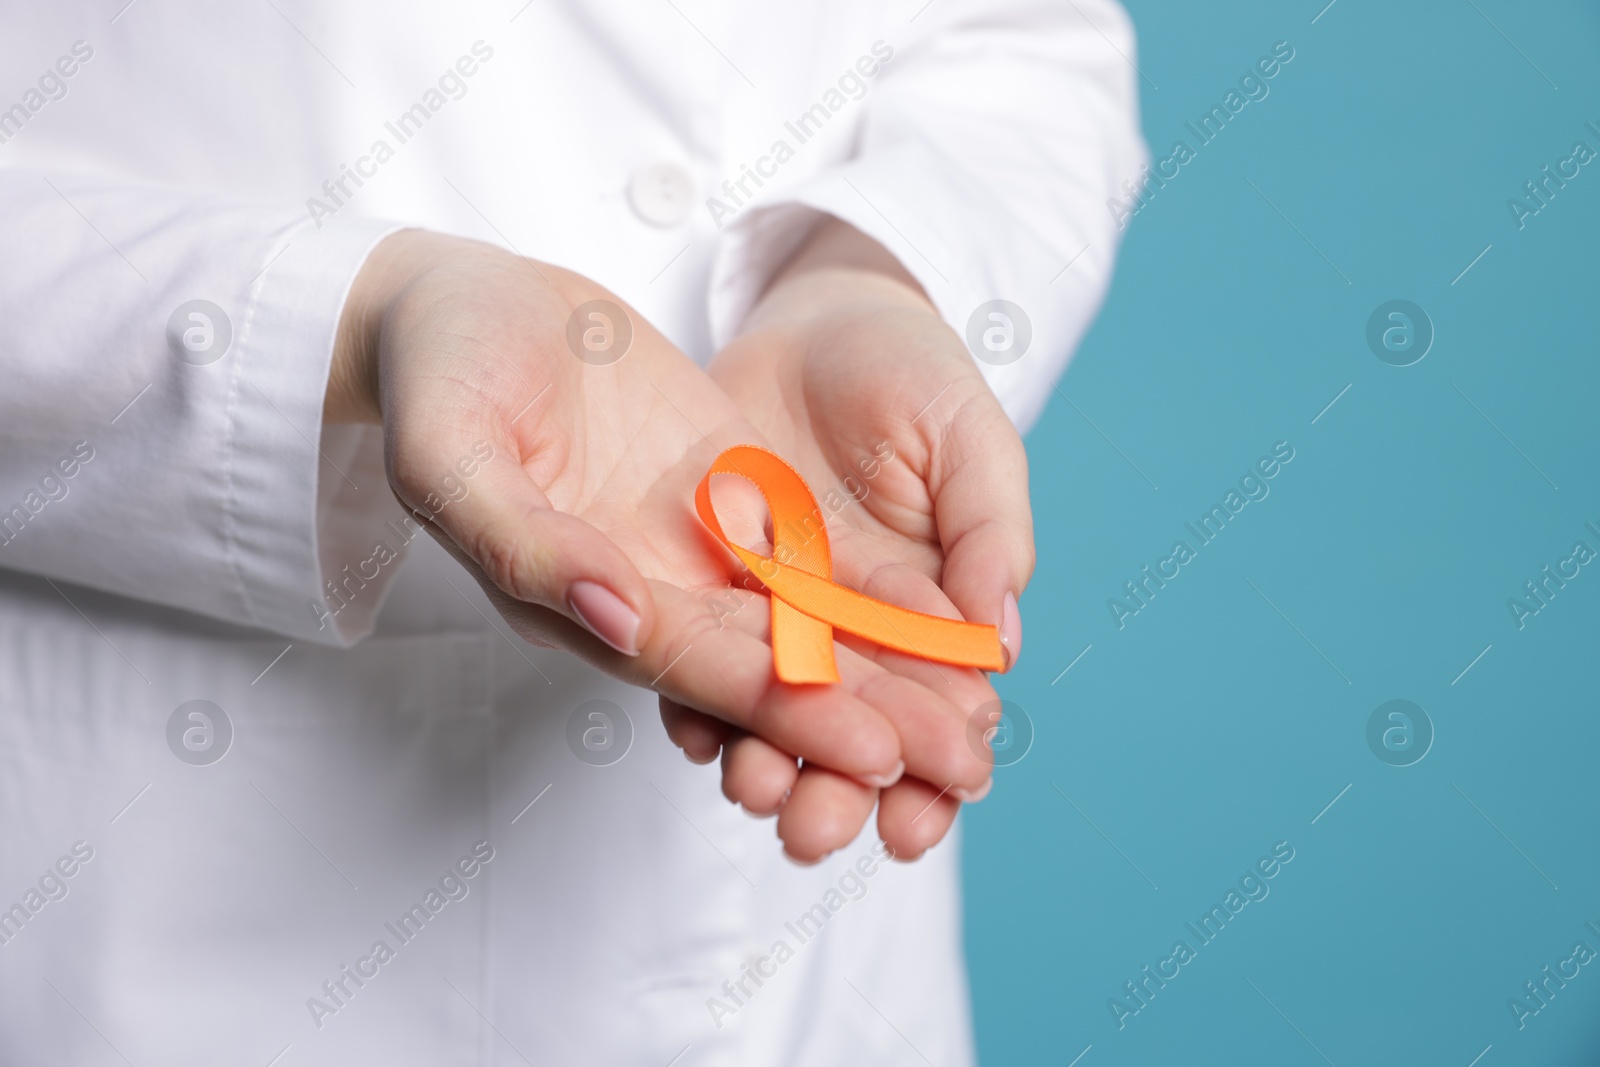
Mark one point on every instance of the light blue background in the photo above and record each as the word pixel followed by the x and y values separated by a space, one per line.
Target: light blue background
pixel 1208 728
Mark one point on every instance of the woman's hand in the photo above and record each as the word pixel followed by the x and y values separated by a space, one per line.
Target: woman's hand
pixel 847 369
pixel 581 526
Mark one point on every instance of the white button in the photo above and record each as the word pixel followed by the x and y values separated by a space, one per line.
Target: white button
pixel 661 193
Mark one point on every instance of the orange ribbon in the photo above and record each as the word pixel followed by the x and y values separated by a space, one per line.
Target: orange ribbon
pixel 807 605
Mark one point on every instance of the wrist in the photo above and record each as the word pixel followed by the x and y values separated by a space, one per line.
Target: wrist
pixel 841 270
pixel 392 265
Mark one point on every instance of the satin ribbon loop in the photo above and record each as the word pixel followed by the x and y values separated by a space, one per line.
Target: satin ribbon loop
pixel 807 605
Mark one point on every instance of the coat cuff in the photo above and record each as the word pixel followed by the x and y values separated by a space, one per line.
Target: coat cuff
pixel 307 506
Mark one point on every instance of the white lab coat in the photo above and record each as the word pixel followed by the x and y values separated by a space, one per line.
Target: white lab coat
pixel 170 152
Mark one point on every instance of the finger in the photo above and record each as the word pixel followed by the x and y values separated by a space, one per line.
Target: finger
pixel 927 703
pixel 502 522
pixel 979 482
pixel 933 734
pixel 757 775
pixel 930 703
pixel 700 736
pixel 824 813
pixel 726 672
pixel 913 816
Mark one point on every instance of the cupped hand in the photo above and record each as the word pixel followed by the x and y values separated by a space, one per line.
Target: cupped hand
pixel 848 370
pixel 580 524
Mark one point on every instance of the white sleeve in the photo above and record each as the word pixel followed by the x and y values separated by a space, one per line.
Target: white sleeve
pixel 989 147
pixel 176 459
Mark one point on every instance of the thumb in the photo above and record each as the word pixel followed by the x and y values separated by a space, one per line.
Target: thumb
pixel 985 523
pixel 478 497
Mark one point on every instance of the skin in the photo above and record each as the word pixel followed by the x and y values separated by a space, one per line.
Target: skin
pixel 843 353
pixel 447 342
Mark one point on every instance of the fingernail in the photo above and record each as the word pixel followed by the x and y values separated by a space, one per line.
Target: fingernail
pixel 884 781
pixel 606 615
pixel 1011 629
pixel 800 862
pixel 697 762
pixel 972 796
